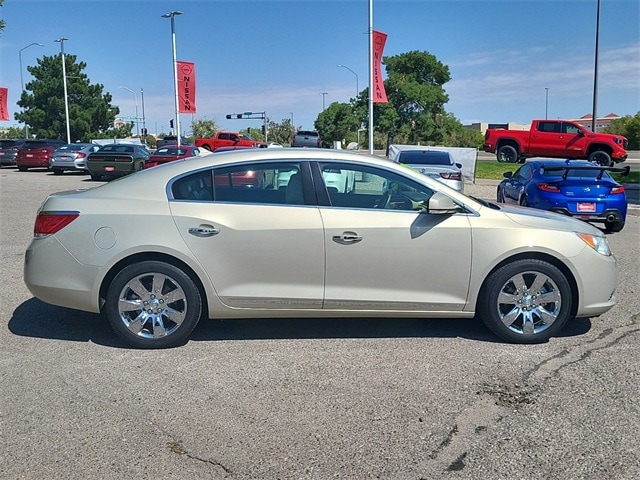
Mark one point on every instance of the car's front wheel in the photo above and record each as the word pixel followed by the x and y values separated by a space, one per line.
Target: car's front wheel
pixel 526 301
pixel 153 304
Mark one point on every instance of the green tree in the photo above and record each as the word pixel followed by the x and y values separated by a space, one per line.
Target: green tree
pixel 91 114
pixel 338 122
pixel 204 128
pixel 12 132
pixel 628 127
pixel 280 132
pixel 1 21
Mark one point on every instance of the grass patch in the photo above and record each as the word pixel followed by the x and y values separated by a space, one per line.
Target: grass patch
pixel 494 171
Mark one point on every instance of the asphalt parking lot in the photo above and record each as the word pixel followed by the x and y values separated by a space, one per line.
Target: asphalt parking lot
pixel 311 399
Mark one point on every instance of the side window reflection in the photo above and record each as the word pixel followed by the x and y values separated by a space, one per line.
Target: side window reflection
pixel 354 186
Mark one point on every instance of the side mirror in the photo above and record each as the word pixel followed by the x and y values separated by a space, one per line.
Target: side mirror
pixel 581 133
pixel 507 174
pixel 441 204
pixel 459 165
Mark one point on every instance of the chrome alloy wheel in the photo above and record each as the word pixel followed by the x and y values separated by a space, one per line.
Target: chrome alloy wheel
pixel 529 303
pixel 152 305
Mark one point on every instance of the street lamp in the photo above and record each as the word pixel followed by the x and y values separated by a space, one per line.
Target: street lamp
pixel 64 83
pixel 323 95
pixel 546 103
pixel 26 127
pixel 172 14
pixel 135 96
pixel 357 87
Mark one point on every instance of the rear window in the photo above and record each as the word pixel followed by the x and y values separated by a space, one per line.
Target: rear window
pixel 117 148
pixel 308 133
pixel 71 147
pixel 425 157
pixel 9 143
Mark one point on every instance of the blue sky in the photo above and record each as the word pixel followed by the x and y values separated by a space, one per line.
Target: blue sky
pixel 280 56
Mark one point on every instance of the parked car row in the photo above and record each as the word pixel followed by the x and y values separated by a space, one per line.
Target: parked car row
pixel 111 160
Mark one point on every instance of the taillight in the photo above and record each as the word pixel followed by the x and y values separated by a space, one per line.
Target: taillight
pixel 618 189
pixel 548 187
pixel 48 223
pixel 451 175
pixel 81 155
pixel 122 159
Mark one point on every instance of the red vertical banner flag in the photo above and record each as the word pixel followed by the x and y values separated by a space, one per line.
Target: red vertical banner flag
pixel 186 87
pixel 4 112
pixel 379 94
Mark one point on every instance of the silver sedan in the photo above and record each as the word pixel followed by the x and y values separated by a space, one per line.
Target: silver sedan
pixel 220 236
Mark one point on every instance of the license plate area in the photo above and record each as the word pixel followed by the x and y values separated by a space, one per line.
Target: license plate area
pixel 586 207
pixel 109 169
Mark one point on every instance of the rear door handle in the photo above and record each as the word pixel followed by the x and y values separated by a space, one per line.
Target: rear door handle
pixel 203 231
pixel 347 238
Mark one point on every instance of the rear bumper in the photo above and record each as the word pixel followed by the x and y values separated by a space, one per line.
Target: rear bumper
pixel 607 216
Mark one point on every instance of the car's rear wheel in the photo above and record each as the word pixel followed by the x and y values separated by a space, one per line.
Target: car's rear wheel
pixel 153 304
pixel 526 301
pixel 22 169
pixel 507 154
pixel 615 226
pixel 57 171
pixel 500 196
pixel 523 201
pixel 601 158
pixel 96 176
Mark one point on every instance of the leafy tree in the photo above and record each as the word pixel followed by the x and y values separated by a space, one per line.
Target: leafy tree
pixel 91 114
pixel 12 132
pixel 1 21
pixel 337 123
pixel 280 132
pixel 204 128
pixel 629 127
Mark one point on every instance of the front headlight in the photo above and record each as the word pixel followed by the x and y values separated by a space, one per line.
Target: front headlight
pixel 597 242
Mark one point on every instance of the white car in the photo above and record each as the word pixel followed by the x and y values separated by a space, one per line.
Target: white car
pixel 437 164
pixel 161 248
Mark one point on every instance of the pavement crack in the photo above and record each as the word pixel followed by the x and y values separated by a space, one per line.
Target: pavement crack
pixel 178 448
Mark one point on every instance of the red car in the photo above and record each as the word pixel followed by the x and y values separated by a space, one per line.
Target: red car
pixel 36 153
pixel 169 153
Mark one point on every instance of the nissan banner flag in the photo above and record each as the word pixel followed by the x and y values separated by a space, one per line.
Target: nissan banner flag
pixel 187 87
pixel 4 113
pixel 379 94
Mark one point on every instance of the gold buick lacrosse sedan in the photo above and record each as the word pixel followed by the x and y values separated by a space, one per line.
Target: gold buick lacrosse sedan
pixel 309 233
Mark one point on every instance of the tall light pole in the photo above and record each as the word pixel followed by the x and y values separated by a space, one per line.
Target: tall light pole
pixel 172 14
pixel 135 96
pixel 323 95
pixel 26 127
pixel 144 122
pixel 594 114
pixel 64 83
pixel 546 103
pixel 357 85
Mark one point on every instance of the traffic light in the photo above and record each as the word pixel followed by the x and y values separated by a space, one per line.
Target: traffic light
pixel 264 129
pixel 171 123
pixel 228 116
pixel 239 115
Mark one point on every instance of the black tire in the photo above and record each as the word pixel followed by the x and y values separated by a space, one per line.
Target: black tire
pixel 500 196
pixel 153 304
pixel 601 158
pixel 523 201
pixel 613 227
pixel 526 301
pixel 507 154
pixel 96 176
pixel 22 169
pixel 57 171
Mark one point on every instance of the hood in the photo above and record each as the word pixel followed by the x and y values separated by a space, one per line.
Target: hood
pixel 531 217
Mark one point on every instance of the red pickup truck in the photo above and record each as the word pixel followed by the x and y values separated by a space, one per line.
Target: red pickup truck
pixel 227 139
pixel 555 139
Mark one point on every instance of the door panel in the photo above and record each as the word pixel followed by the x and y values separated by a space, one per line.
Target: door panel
pixel 394 260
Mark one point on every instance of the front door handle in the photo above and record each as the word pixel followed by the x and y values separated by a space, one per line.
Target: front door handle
pixel 203 231
pixel 347 238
